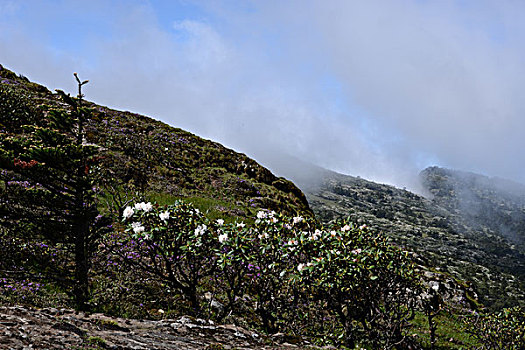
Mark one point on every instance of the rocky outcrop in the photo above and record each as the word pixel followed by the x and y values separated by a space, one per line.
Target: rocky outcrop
pixel 50 328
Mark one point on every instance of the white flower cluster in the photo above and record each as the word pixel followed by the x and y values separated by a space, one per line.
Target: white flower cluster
pixel 137 227
pixel 335 252
pixel 316 235
pixel 164 216
pixel 129 211
pixel 262 214
pixel 264 235
pixel 345 228
pixel 297 219
pixel 220 222
pixel 146 207
pixel 292 243
pixel 302 266
pixel 223 238
pixel 200 230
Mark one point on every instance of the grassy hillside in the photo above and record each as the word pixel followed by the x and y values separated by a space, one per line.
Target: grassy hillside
pixel 147 158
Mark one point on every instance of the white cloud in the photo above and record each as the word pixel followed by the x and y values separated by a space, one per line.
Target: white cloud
pixel 441 79
pixel 376 88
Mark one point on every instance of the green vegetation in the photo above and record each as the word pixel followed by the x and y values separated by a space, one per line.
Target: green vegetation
pixel 47 191
pixel 450 331
pixel 268 273
pixel 499 330
pixel 96 343
pixel 117 213
pixel 443 238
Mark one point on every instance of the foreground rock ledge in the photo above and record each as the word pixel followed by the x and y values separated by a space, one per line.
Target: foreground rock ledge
pixel 49 328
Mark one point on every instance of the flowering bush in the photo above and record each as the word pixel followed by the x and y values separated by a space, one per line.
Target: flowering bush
pixel 234 270
pixel 274 256
pixel 174 243
pixel 289 272
pixel 367 284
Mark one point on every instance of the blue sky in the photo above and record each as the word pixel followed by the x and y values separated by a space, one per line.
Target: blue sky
pixel 375 88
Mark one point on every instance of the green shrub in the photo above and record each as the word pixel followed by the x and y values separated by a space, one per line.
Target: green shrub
pixel 499 330
pixel 283 274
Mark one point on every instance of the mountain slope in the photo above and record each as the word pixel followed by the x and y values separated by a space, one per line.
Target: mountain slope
pixel 445 238
pixel 492 205
pixel 477 239
pixel 147 158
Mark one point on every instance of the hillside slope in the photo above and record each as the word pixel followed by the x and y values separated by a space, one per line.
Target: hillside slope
pixel 145 157
pixel 491 205
pixel 440 232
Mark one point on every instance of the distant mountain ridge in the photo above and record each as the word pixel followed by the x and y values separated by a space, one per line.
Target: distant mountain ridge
pixel 492 204
pixel 464 244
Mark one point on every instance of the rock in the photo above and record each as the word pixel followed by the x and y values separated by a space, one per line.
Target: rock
pixel 27 328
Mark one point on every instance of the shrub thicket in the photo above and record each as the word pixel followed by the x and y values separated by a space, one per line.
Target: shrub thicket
pixel 498 330
pixel 282 274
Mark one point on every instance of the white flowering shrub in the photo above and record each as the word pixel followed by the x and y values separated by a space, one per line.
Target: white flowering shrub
pixel 255 264
pixel 285 273
pixel 274 255
pixel 174 243
pixel 235 270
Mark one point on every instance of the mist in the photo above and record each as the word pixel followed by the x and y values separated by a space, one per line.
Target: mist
pixel 378 89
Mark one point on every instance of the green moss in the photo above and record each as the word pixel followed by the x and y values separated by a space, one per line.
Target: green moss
pixel 107 323
pixel 95 343
pixel 216 346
